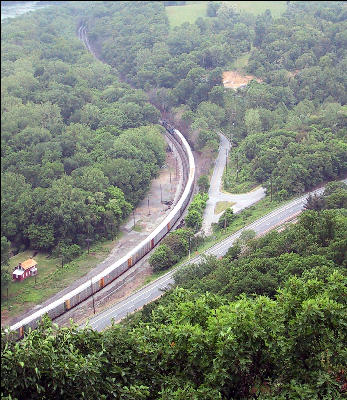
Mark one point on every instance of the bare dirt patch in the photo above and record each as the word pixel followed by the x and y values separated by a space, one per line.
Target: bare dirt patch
pixel 293 73
pixel 203 159
pixel 234 79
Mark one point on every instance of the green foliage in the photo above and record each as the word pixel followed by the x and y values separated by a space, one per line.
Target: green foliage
pixel 196 208
pixel 314 202
pixel 70 132
pixel 5 256
pixel 163 258
pixel 204 183
pixel 226 218
pixel 68 253
pixel 261 265
pixel 5 250
pixel 293 161
pixel 174 246
pixel 268 320
pixel 41 237
pixel 194 219
pixel 193 344
pixel 178 241
pixel 212 8
pixel 332 187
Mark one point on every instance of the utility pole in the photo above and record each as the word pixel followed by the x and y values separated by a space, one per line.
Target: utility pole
pixel 161 194
pixel 237 167
pixel 91 287
pixel 134 218
pixel 271 187
pixel 226 160
pixel 225 220
pixel 88 240
pixel 149 211
pixel 189 249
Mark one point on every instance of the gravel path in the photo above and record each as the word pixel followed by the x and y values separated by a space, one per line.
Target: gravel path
pixel 215 195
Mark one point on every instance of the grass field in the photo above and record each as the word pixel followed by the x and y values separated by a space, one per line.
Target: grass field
pixel 240 63
pixel 222 205
pixel 193 10
pixel 50 279
pixel 189 13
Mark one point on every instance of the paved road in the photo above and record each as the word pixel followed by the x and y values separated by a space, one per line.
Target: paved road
pixel 155 289
pixel 215 195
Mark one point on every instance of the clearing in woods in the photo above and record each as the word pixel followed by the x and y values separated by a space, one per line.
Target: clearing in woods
pixel 192 10
pixel 234 79
pixel 189 13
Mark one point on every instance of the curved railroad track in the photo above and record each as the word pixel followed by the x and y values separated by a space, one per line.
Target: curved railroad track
pixel 88 289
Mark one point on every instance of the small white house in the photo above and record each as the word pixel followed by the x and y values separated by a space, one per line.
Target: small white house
pixel 24 270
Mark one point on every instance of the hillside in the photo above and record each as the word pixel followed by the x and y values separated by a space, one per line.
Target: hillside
pixel 81 144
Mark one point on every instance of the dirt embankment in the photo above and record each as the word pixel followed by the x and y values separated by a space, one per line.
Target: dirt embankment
pixel 203 160
pixel 234 79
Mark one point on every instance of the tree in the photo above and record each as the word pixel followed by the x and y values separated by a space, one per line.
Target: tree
pixel 69 252
pixel 233 252
pixel 117 203
pixel 314 202
pixel 203 183
pixel 90 179
pixel 178 241
pixel 332 187
pixel 226 218
pixel 5 256
pixel 252 121
pixel 163 258
pixel 227 14
pixel 246 236
pixel 41 236
pixel 338 199
pixel 216 95
pixel 212 8
pixel 194 219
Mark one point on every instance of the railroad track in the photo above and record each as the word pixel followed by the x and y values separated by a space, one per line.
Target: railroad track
pixel 75 296
pixel 87 290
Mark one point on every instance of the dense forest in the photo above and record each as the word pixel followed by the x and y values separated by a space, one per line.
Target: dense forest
pixel 288 129
pixel 80 145
pixel 68 120
pixel 79 148
pixel 266 321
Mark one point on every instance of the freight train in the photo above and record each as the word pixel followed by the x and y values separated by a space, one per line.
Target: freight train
pixel 87 289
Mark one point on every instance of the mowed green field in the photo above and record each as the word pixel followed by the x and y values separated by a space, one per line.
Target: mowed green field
pixel 189 13
pixel 51 278
pixel 193 10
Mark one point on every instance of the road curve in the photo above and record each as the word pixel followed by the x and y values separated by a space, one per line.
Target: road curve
pixel 215 195
pixel 155 289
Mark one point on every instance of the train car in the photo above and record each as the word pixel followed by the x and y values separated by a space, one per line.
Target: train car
pixel 87 289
